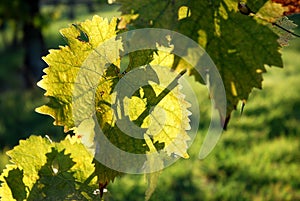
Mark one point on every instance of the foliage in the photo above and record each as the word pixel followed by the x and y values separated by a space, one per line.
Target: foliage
pixel 46 169
pixel 256 159
pixel 210 23
pixel 51 166
pixel 60 83
pixel 292 6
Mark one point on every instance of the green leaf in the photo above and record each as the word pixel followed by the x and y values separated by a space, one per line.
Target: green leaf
pixel 241 46
pixel 15 182
pixel 74 79
pixel 54 176
pixel 35 148
pixel 45 168
pixel 169 120
pixel 64 65
pixel 83 166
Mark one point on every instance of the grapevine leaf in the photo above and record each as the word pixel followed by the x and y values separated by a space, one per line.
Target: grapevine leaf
pixel 163 116
pixel 62 77
pixel 15 182
pixel 152 13
pixel 5 191
pixel 169 121
pixel 46 168
pixel 240 45
pixel 78 75
pixel 271 14
pixel 64 65
pixel 54 176
pixel 83 167
pixel 35 148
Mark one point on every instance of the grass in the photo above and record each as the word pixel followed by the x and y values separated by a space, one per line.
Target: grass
pixel 257 158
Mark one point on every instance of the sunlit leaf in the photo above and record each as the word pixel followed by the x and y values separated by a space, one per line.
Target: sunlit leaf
pixel 239 44
pixel 64 65
pixel 44 168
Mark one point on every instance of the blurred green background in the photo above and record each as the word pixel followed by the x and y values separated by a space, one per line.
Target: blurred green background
pixel 257 158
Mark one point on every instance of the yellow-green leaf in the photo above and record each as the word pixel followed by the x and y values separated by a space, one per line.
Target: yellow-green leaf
pixel 43 168
pixel 66 62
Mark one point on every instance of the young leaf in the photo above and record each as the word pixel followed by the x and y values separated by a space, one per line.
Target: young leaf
pixel 46 168
pixel 64 65
pixel 35 148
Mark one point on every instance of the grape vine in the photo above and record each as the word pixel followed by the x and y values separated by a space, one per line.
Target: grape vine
pixel 106 88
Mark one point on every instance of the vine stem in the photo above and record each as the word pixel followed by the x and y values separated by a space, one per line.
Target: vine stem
pixel 277 25
pixel 245 10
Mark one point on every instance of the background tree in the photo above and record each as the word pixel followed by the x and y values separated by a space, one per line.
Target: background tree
pixel 33 42
pixel 27 22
